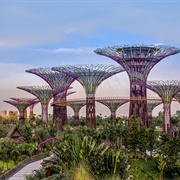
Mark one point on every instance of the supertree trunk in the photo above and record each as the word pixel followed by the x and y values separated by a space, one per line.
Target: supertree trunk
pixel 76 106
pixel 90 111
pixel 149 118
pixel 138 107
pixel 63 112
pixel 167 125
pixel 113 116
pixel 76 118
pixel 25 113
pixel 21 118
pixel 57 109
pixel 62 119
pixel 31 114
pixel 60 112
pixel 56 112
pixel 44 112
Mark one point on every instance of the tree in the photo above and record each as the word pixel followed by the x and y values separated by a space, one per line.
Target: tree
pixel 170 148
pixel 27 133
pixel 151 139
pixel 134 138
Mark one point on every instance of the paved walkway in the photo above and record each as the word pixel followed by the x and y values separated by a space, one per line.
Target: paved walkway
pixel 20 175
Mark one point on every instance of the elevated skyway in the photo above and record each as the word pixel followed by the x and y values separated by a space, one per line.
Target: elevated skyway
pixel 66 102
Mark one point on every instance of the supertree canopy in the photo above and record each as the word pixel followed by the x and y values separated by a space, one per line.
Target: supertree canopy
pixel 21 106
pixel 33 102
pixel 166 90
pixel 44 94
pixel 138 60
pixel 113 105
pixel 90 77
pixel 177 97
pixel 151 105
pixel 24 99
pixel 55 80
pixel 76 106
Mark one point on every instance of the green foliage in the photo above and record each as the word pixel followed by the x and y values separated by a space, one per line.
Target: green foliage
pixel 141 169
pixel 3 166
pixel 99 153
pixel 158 121
pixel 175 120
pixel 6 148
pixel 171 150
pixel 36 175
pixel 3 132
pixel 152 136
pixel 27 133
pixel 14 152
pixel 161 165
pixel 81 131
pixel 98 159
pixel 52 129
pixel 136 136
pixel 41 134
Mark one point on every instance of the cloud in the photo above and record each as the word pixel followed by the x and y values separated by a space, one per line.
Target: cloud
pixel 13 75
pixel 10 43
pixel 66 50
pixel 150 19
pixel 30 24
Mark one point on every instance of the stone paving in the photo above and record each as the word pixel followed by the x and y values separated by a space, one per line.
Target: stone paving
pixel 20 175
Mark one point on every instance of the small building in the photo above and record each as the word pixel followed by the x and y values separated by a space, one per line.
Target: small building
pixel 14 134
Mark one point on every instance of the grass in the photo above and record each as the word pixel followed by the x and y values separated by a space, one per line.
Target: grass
pixel 3 166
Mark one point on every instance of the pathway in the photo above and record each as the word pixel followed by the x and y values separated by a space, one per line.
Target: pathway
pixel 20 175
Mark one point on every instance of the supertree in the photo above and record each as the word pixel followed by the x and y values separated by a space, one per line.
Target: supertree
pixel 113 105
pixel 44 94
pixel 33 100
pixel 55 80
pixel 138 60
pixel 21 106
pixel 166 90
pixel 76 106
pixel 151 105
pixel 90 77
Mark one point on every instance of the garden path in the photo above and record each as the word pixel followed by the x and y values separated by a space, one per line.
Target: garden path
pixel 20 175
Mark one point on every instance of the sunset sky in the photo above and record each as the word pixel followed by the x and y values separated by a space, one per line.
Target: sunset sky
pixel 47 33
